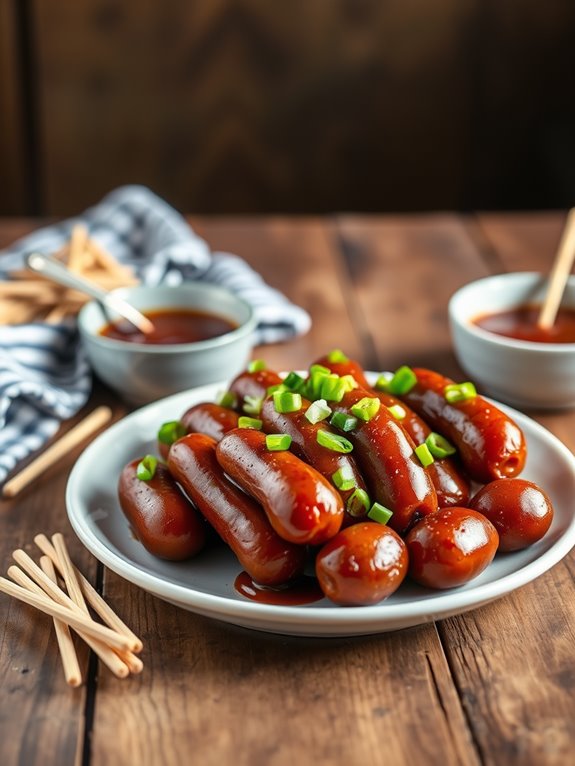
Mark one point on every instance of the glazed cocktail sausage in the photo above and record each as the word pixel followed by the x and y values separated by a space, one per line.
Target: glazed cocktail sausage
pixel 451 486
pixel 299 502
pixel 305 446
pixel 490 445
pixel 210 419
pixel 237 518
pixel 386 458
pixel 161 517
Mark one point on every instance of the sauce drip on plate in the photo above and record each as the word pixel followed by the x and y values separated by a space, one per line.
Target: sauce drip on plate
pixel 305 590
pixel 172 326
pixel 521 324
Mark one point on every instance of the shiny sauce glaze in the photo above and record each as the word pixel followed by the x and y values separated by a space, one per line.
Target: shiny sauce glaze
pixel 521 324
pixel 171 326
pixel 304 590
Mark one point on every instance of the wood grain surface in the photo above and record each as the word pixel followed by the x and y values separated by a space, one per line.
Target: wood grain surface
pixel 491 687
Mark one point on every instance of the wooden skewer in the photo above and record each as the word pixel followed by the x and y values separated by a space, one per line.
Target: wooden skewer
pixel 96 601
pixel 95 420
pixel 68 655
pixel 559 274
pixel 75 619
pixel 65 644
pixel 78 240
pixel 104 652
pixel 127 659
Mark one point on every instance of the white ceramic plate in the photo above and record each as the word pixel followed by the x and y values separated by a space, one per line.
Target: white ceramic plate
pixel 206 584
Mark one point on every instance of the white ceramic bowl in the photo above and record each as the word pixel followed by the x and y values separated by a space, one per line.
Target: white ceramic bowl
pixel 524 374
pixel 143 373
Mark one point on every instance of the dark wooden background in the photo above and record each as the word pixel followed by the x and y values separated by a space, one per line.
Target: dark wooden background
pixel 233 106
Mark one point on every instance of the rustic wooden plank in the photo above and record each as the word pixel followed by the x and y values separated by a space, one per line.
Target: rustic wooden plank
pixel 233 695
pixel 404 270
pixel 513 661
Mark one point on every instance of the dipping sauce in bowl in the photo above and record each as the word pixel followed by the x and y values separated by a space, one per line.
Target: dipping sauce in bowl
pixel 521 324
pixel 172 326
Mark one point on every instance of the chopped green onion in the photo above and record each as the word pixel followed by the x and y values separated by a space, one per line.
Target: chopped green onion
pixel 317 373
pixel 332 388
pixel 439 446
pixel 343 478
pixel 256 365
pixel 245 422
pixel 334 442
pixel 294 382
pixel 146 468
pixel 171 431
pixel 227 399
pixel 404 379
pixel 383 381
pixel 317 411
pixel 379 513
pixel 337 355
pixel 278 387
pixel 366 409
pixel 397 411
pixel 278 442
pixel 343 422
pixel 252 404
pixel 358 503
pixel 349 382
pixel 424 455
pixel 287 401
pixel 459 392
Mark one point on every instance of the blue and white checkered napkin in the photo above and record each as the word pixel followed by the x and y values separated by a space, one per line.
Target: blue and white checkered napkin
pixel 44 375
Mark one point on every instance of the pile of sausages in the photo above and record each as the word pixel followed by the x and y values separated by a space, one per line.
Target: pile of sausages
pixel 279 509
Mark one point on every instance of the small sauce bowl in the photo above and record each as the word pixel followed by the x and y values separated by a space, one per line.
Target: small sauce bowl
pixel 142 372
pixel 522 373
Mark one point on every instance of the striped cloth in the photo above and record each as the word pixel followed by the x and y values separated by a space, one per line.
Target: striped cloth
pixel 44 375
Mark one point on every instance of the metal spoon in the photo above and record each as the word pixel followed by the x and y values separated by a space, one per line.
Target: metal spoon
pixel 56 271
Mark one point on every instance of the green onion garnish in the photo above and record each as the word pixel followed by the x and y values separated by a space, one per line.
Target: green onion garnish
pixel 316 375
pixel 439 446
pixel 343 422
pixel 366 408
pixel 379 513
pixel 332 388
pixel 256 365
pixel 459 392
pixel 358 503
pixel 404 379
pixel 227 399
pixel 278 442
pixel 424 455
pixel 146 468
pixel 287 401
pixel 252 404
pixel 343 478
pixel 337 355
pixel 171 431
pixel 294 382
pixel 397 411
pixel 278 387
pixel 245 422
pixel 383 381
pixel 317 411
pixel 349 382
pixel 334 442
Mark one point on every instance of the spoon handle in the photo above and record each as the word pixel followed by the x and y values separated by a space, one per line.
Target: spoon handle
pixel 57 272
pixel 559 274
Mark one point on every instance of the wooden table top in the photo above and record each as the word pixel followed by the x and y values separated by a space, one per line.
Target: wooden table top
pixel 492 686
